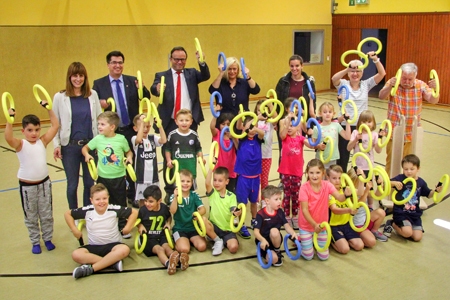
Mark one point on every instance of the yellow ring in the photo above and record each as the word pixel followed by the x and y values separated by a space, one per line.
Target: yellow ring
pixel 202 165
pixel 168 237
pixel 366 223
pixel 199 224
pixel 327 243
pixel 360 54
pixel 130 171
pixel 7 97
pixel 369 163
pixel 275 102
pixel 235 119
pixel 305 109
pixel 161 89
pixel 149 109
pixel 92 169
pixel 81 224
pixel 175 165
pixel 138 249
pixel 385 123
pixel 213 153
pixel 271 94
pixel 355 110
pixel 411 194
pixel 138 221
pixel 199 49
pixel 155 114
pixel 434 75
pixel 369 133
pixel 437 197
pixel 241 110
pixel 178 184
pixel 380 46
pixel 347 181
pixel 387 184
pixel 111 101
pixel 331 143
pixel 243 209
pixel 140 87
pixel 46 95
pixel 398 75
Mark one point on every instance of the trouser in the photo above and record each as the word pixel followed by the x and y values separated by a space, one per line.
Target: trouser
pixel 38 209
pixel 344 154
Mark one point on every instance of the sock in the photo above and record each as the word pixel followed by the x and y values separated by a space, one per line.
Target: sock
pixel 49 245
pixel 216 239
pixel 36 249
pixel 166 264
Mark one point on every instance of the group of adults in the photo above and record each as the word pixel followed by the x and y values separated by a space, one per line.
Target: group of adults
pixel 78 106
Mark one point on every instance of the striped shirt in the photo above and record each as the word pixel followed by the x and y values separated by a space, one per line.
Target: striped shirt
pixel 407 102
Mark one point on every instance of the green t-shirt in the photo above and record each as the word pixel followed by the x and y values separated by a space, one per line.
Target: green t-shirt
pixel 111 152
pixel 184 148
pixel 332 130
pixel 220 208
pixel 183 216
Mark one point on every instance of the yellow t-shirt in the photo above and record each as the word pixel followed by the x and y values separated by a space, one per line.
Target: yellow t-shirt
pixel 338 219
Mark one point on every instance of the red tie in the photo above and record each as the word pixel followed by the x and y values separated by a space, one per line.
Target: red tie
pixel 178 96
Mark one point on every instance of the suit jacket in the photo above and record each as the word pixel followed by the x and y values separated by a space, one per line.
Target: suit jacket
pixel 193 78
pixel 103 88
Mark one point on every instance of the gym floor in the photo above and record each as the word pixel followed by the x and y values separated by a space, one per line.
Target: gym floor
pixel 396 269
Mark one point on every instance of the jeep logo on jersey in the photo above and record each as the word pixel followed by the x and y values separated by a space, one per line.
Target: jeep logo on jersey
pixel 148 155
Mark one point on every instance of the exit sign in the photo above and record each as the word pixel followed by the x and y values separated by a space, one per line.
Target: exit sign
pixel 362 2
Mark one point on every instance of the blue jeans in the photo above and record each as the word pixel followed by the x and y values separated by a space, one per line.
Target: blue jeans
pixel 71 160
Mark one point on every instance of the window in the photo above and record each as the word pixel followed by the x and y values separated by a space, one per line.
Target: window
pixel 309 45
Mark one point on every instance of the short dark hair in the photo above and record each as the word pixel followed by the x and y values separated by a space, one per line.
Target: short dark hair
pixel 114 53
pixel 178 48
pixel 30 119
pixel 411 158
pixel 269 191
pixel 222 171
pixel 153 191
pixel 224 117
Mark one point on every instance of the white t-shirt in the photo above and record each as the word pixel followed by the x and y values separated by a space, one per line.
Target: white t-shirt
pixel 266 147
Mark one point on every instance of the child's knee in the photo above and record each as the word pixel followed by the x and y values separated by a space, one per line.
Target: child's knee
pixel 232 246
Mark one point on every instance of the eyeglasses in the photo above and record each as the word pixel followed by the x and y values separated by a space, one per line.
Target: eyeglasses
pixel 116 63
pixel 179 59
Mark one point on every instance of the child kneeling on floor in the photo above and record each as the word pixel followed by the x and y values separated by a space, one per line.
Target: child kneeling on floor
pixel 105 246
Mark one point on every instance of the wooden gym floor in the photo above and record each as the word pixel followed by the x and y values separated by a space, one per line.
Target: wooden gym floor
pixel 398 269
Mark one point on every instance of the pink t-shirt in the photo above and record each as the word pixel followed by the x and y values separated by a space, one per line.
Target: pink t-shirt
pixel 317 203
pixel 360 161
pixel 292 156
pixel 226 159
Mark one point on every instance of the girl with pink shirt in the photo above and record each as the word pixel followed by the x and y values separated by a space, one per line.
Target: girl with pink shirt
pixel 314 195
pixel 291 166
pixel 226 159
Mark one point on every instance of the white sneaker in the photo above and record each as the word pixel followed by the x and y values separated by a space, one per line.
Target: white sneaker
pixel 126 236
pixel 118 266
pixel 218 247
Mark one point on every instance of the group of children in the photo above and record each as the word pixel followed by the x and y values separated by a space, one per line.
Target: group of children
pixel 302 207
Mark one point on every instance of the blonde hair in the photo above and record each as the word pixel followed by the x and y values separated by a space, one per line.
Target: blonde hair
pixel 367 116
pixel 184 111
pixel 111 117
pixel 269 191
pixel 99 187
pixel 230 62
pixel 334 168
pixel 326 104
pixel 314 163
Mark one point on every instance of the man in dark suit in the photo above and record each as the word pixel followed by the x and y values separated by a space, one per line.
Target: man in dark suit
pixel 188 94
pixel 124 90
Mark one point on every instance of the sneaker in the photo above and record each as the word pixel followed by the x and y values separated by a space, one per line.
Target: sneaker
pixel 379 236
pixel 36 249
pixel 83 271
pixel 118 266
pixel 243 233
pixel 49 245
pixel 184 260
pixel 126 236
pixel 280 258
pixel 174 258
pixel 387 231
pixel 253 223
pixel 295 223
pixel 218 247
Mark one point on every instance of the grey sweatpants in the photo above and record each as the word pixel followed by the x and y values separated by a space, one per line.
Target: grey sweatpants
pixel 38 209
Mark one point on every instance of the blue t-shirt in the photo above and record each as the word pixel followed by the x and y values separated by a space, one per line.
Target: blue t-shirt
pixel 81 125
pixel 410 208
pixel 249 157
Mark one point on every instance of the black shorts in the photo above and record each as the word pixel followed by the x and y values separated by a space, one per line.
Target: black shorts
pixel 402 220
pixel 343 232
pixel 185 234
pixel 148 250
pixel 224 235
pixel 271 246
pixel 101 250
